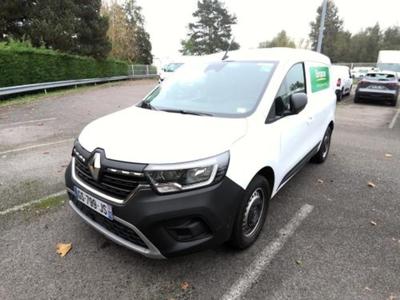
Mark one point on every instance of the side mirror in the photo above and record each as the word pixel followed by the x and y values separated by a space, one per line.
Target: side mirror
pixel 298 102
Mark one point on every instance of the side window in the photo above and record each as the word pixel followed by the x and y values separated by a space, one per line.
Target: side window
pixel 294 82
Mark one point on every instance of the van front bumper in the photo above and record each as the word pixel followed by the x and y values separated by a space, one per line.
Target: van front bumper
pixel 166 225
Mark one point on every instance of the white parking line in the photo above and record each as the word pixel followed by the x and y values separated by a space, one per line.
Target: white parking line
pixel 391 125
pixel 28 122
pixel 243 284
pixel 27 204
pixel 35 146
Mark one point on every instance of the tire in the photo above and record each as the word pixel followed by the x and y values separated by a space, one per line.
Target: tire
pixel 394 102
pixel 339 96
pixel 356 99
pixel 252 213
pixel 323 151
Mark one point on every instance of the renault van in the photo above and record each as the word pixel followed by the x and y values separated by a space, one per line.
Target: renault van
pixel 195 164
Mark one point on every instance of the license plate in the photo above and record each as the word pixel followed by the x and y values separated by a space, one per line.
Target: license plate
pixel 376 87
pixel 95 204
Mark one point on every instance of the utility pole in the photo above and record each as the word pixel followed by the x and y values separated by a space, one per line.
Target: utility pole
pixel 322 26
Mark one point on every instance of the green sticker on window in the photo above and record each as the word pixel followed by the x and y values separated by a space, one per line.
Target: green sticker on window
pixel 319 78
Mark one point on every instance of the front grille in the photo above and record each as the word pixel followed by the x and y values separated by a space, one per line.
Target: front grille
pixel 113 226
pixel 112 182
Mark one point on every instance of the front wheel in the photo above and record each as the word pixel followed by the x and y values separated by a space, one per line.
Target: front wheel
pixel 323 151
pixel 252 213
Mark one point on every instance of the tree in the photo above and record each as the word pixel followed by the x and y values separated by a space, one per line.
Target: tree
pixel 138 37
pixel 335 38
pixel 52 24
pixel 212 31
pixel 13 18
pixel 72 26
pixel 91 29
pixel 129 39
pixel 117 31
pixel 280 40
pixel 365 45
pixel 391 38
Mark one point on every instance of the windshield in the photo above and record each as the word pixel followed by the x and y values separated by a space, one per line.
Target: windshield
pixel 172 67
pixel 225 88
pixel 381 76
pixel 389 67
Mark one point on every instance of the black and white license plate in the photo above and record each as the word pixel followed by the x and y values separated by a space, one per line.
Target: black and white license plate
pixel 376 87
pixel 95 204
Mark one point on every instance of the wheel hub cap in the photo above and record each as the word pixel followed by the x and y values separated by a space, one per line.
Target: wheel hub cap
pixel 253 212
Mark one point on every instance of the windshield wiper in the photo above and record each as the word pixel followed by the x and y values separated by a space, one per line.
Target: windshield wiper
pixel 187 112
pixel 147 105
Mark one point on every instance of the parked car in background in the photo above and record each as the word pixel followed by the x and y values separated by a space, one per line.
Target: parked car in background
pixel 222 137
pixel 344 82
pixel 389 60
pixel 382 86
pixel 360 72
pixel 168 69
pixel 174 64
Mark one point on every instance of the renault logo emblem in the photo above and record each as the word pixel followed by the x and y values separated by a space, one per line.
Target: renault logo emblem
pixel 95 166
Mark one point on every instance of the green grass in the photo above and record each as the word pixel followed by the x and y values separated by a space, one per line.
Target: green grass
pixel 49 202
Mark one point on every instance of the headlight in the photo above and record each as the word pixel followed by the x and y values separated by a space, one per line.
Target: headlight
pixel 171 178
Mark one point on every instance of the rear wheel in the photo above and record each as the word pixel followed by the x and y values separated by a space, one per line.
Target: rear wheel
pixel 252 213
pixel 323 151
pixel 339 95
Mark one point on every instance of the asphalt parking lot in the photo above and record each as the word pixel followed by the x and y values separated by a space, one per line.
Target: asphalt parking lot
pixel 332 233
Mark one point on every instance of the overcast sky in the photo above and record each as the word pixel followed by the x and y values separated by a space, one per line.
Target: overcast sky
pixel 259 20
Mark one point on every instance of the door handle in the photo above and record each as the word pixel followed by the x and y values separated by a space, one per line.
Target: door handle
pixel 310 119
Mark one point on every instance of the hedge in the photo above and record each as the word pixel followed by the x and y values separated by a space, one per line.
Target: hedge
pixel 24 65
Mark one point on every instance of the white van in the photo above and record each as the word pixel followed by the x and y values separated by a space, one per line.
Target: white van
pixel 343 79
pixel 196 163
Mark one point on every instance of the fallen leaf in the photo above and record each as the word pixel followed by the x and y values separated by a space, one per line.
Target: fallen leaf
pixel 392 297
pixel 63 249
pixel 184 285
pixel 40 124
pixel 367 289
pixel 46 152
pixel 320 181
pixel 373 223
pixel 299 262
pixel 371 184
pixel 388 155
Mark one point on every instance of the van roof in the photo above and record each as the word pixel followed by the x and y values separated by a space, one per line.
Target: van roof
pixel 275 54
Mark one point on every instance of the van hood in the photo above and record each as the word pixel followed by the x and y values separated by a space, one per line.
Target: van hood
pixel 140 135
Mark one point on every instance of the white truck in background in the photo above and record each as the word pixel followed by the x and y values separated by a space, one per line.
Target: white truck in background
pixel 389 60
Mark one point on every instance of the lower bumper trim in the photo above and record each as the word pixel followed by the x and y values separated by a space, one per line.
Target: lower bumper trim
pixel 151 252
